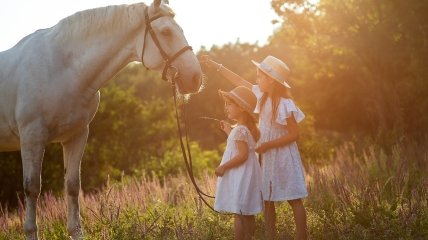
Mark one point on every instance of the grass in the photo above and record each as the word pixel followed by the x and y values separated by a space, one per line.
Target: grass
pixel 361 194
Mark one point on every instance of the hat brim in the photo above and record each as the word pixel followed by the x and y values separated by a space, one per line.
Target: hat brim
pixel 225 95
pixel 283 83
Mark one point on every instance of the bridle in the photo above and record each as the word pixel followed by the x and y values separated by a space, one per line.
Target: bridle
pixel 171 78
pixel 168 60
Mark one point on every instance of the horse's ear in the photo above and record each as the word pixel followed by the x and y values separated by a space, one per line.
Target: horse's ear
pixel 156 4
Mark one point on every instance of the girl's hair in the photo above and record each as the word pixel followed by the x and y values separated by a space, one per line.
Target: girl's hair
pixel 251 123
pixel 278 91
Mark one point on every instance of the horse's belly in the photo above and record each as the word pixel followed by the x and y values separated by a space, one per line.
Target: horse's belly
pixel 8 140
pixel 77 118
pixel 64 132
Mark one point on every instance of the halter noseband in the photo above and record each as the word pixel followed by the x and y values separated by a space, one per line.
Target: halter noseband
pixel 168 60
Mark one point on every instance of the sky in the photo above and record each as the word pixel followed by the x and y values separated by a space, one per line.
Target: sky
pixel 250 21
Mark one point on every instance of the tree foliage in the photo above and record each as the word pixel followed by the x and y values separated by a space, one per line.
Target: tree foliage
pixel 362 63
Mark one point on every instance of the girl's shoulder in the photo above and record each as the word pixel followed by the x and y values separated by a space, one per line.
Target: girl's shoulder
pixel 241 129
pixel 256 90
pixel 288 102
pixel 240 133
pixel 287 108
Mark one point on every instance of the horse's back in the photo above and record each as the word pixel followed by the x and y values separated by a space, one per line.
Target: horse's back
pixel 18 71
pixel 16 61
pixel 17 65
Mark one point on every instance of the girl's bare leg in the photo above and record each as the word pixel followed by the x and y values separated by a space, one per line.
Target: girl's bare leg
pixel 299 213
pixel 270 219
pixel 250 226
pixel 239 227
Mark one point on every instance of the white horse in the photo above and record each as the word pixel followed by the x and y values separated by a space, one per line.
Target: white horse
pixel 50 81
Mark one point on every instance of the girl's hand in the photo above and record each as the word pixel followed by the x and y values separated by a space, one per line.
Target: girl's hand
pixel 220 171
pixel 225 126
pixel 262 148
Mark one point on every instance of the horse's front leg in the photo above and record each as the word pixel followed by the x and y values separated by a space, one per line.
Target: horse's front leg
pixel 73 151
pixel 32 150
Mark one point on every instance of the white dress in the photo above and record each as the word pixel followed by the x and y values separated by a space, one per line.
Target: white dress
pixel 239 189
pixel 283 174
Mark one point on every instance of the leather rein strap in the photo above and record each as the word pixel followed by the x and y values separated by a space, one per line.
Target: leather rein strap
pixel 187 156
pixel 173 73
pixel 172 76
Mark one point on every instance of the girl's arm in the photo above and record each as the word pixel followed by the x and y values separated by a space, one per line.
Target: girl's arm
pixel 239 159
pixel 293 135
pixel 234 78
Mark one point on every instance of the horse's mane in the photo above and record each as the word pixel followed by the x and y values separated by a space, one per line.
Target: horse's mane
pixel 93 21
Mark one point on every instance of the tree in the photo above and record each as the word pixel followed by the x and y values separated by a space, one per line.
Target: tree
pixel 361 61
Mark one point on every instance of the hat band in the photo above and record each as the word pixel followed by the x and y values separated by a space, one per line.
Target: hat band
pixel 247 105
pixel 271 71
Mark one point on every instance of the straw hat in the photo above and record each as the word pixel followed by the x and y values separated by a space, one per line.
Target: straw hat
pixel 275 68
pixel 244 97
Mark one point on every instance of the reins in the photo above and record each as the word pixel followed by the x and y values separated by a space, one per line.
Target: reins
pixel 187 156
pixel 171 72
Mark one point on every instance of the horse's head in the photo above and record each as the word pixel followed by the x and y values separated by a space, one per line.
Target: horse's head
pixel 166 49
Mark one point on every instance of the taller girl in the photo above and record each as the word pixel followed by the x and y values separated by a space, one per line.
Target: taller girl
pixel 283 177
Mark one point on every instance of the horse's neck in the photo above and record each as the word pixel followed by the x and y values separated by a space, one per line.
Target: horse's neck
pixel 99 53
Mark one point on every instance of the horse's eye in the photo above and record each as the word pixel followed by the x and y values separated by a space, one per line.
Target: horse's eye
pixel 166 32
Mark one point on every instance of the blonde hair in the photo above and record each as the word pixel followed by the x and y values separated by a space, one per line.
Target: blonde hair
pixel 278 91
pixel 251 123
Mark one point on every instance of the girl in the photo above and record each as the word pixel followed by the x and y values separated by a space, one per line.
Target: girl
pixel 239 174
pixel 283 176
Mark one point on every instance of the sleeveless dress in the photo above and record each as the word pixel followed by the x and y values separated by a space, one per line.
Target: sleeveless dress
pixel 239 189
pixel 283 175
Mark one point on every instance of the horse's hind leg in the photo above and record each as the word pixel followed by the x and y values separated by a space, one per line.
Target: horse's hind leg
pixel 73 151
pixel 32 150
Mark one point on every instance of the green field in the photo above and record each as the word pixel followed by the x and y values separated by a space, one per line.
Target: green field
pixel 371 195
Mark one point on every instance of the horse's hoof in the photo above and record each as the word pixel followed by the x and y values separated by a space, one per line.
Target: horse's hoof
pixel 76 233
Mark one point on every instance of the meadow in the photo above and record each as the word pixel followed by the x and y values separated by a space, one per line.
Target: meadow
pixel 358 71
pixel 360 194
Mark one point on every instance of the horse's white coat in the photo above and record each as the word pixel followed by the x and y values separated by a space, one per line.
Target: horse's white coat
pixel 50 81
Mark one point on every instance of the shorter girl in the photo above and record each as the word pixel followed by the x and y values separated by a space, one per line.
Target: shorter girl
pixel 239 174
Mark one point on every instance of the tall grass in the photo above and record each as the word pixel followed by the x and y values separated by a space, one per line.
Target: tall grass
pixel 373 195
pixel 368 194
